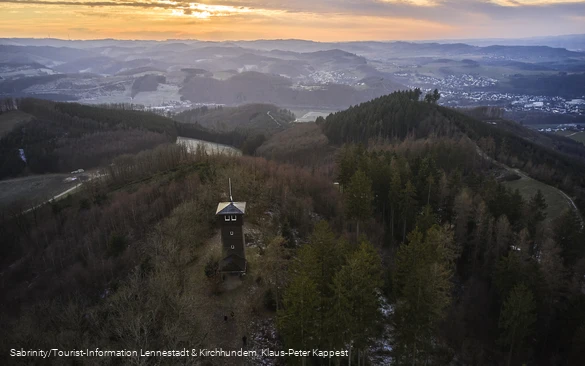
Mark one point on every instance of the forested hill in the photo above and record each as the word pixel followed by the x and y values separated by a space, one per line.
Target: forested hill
pixel 400 115
pixel 259 118
pixel 62 137
pixel 104 118
pixel 396 115
pixel 67 136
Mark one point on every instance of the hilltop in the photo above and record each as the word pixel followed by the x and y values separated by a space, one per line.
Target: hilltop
pixel 400 115
pixel 258 118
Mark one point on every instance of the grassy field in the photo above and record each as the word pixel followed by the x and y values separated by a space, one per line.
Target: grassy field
pixel 30 191
pixel 577 136
pixel 311 116
pixel 307 115
pixel 9 120
pixel 528 187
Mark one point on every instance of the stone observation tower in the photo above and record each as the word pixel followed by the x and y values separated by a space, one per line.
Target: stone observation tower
pixel 231 221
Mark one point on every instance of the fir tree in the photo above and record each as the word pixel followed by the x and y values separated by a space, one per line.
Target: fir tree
pixel 517 318
pixel 358 198
pixel 356 298
pixel 296 321
pixel 395 194
pixel 408 206
pixel 320 259
pixel 436 96
pixel 536 212
pixel 422 285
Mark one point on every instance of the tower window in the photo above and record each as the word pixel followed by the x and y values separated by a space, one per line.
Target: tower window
pixel 233 247
pixel 226 218
pixel 231 233
pixel 234 217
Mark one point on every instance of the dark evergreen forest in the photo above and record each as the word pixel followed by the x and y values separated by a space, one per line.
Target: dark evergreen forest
pixel 419 255
pixel 67 136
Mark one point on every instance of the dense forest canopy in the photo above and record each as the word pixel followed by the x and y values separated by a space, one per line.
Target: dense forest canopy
pixel 419 255
pixel 401 115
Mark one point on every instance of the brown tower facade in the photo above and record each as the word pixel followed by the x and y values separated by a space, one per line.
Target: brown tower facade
pixel 231 221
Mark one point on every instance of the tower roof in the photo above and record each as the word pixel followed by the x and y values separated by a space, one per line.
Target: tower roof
pixel 231 208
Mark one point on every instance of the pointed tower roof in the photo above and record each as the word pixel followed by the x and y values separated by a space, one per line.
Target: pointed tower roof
pixel 231 208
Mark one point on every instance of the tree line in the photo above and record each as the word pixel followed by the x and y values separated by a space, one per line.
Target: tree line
pixel 473 270
pixel 67 136
pixel 401 115
pixel 64 136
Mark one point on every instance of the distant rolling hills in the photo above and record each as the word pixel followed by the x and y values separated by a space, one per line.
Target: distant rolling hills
pixel 288 73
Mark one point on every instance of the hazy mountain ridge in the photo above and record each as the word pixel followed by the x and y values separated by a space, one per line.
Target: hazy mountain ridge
pixel 293 73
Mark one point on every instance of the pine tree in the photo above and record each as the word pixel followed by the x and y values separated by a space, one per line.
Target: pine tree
pixel 436 96
pixel 296 321
pixel 503 234
pixel 358 198
pixel 347 164
pixel 555 282
pixel 356 298
pixel 515 269
pixel 569 235
pixel 538 203
pixel 463 209
pixel 551 265
pixel 394 194
pixel 426 219
pixel 421 281
pixel 536 212
pixel 319 260
pixel 517 318
pixel 408 206
pixel 523 244
pixel 417 94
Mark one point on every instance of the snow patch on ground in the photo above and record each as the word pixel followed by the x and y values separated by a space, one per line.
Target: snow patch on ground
pixel 253 237
pixel 264 336
pixel 380 351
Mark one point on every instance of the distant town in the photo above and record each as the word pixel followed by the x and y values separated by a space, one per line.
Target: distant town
pixel 515 102
pixel 455 92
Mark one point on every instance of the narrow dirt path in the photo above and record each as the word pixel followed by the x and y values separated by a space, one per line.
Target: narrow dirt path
pixel 275 121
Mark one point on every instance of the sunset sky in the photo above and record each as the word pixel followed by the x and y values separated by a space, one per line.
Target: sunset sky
pixel 320 20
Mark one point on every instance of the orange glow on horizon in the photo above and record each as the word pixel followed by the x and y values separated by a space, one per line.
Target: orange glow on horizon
pixel 226 20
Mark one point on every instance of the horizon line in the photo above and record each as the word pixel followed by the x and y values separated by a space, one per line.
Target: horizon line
pixel 289 39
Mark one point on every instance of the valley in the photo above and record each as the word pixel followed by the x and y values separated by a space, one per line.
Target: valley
pixel 330 76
